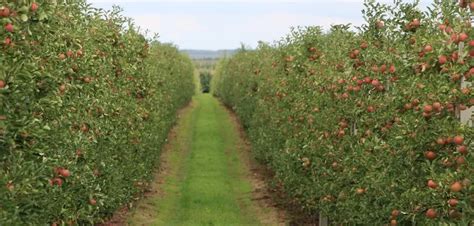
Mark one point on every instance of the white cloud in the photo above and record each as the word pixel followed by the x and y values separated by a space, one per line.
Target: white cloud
pixel 206 29
pixel 228 27
pixel 175 25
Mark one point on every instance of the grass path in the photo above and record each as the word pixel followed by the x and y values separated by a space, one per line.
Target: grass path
pixel 204 180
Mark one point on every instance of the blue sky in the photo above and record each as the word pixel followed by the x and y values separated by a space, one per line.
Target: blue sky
pixel 225 24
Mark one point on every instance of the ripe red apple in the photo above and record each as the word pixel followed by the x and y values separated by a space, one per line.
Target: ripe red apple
pixel 92 202
pixel 8 41
pixel 442 59
pixel 383 68
pixel 5 12
pixel 462 149
pixel 57 181
pixel 428 48
pixel 430 155
pixel 428 108
pixel 471 6
pixel 2 84
pixel 455 56
pixel 375 82
pixel 392 69
pixel 463 37
pixel 395 213
pixel 437 106
pixel 62 56
pixel 367 80
pixel 356 52
pixel 454 38
pixel 459 140
pixel 34 7
pixel 9 27
pixel 64 172
pixel 453 202
pixel 370 109
pixel 471 43
pixel 432 184
pixel 431 213
pixel 456 187
pixel 442 27
pixel 69 53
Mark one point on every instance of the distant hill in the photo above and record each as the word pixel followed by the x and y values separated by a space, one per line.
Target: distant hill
pixel 208 54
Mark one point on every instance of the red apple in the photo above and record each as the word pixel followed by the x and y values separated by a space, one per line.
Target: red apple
pixel 459 140
pixel 428 108
pixel 456 187
pixel 428 48
pixel 431 213
pixel 463 37
pixel 430 155
pixel 5 12
pixel 432 184
pixel 34 7
pixel 462 149
pixel 9 27
pixel 453 202
pixel 64 172
pixel 442 59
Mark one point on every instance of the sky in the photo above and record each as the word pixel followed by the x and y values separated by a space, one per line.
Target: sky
pixel 227 24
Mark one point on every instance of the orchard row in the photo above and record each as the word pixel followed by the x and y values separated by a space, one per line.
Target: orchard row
pixel 86 102
pixel 364 125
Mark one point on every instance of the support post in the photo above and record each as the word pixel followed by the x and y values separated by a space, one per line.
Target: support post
pixel 323 221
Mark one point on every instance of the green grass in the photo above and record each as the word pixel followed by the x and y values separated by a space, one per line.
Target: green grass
pixel 205 184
